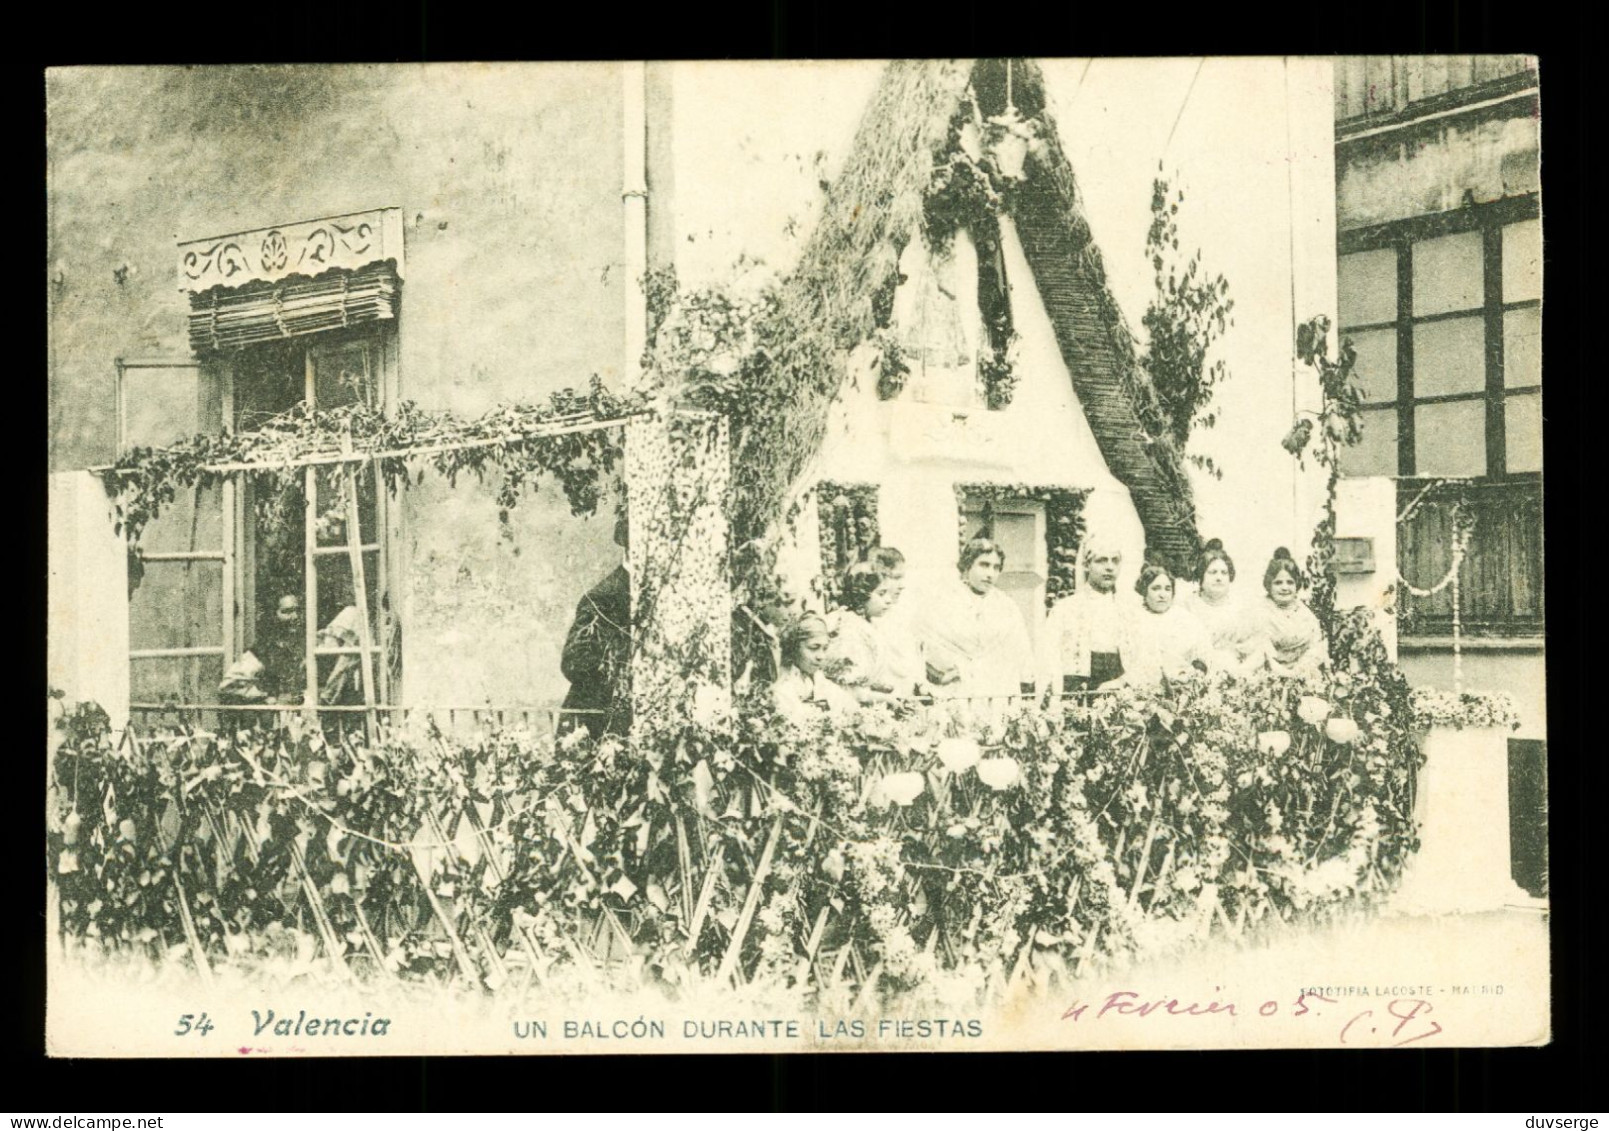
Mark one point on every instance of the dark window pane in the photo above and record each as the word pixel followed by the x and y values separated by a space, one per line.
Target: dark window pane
pixel 178 679
pixel 344 375
pixel 1522 261
pixel 1523 428
pixel 1522 347
pixel 177 605
pixel 1376 369
pixel 1376 453
pixel 332 506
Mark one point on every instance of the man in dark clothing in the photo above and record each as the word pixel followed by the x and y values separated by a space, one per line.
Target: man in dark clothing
pixel 597 655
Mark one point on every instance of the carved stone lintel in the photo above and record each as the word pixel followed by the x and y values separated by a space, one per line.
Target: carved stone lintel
pixel 309 247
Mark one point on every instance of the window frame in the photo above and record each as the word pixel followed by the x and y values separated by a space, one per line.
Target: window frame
pixel 238 552
pixel 228 647
pixel 1490 220
pixel 1023 506
pixel 1401 236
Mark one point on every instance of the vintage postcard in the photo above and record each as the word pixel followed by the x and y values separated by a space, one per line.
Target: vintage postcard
pixel 700 557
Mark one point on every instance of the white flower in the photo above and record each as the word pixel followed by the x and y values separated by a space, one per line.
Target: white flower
pixel 833 864
pixel 1274 742
pixel 999 773
pixel 902 789
pixel 1344 731
pixel 709 705
pixel 959 754
pixel 1312 709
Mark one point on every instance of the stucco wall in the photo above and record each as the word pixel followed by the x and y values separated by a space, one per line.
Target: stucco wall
pixel 87 656
pixel 1367 508
pixel 509 179
pixel 1438 168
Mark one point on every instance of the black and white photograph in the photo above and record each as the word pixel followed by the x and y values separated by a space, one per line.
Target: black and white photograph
pixel 996 554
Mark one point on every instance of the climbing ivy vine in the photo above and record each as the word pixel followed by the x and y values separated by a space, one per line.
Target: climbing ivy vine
pixel 1190 310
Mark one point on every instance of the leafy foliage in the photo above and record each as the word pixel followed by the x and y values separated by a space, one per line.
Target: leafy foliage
pixel 876 852
pixel 847 519
pixel 969 192
pixel 1338 424
pixel 521 443
pixel 998 375
pixel 1187 314
pixel 892 368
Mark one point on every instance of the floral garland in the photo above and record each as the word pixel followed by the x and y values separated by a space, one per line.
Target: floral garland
pixel 1465 710
pixel 1064 525
pixel 892 368
pixel 847 520
pixel 969 191
pixel 998 375
pixel 520 442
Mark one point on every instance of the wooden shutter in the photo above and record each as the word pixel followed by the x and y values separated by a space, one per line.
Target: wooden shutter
pixel 182 573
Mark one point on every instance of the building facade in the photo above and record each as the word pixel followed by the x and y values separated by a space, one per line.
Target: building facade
pixel 228 243
pixel 1438 205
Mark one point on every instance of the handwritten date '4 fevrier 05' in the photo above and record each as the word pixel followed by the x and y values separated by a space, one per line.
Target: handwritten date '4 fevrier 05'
pixel 1401 1021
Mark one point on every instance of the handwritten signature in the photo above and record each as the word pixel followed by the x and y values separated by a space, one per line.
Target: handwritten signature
pixel 1402 1021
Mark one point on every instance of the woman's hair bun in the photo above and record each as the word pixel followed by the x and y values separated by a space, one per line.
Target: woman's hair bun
pixel 1283 554
pixel 1213 544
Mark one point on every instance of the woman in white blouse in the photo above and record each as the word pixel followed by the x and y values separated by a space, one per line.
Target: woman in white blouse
pixel 1219 608
pixel 1288 638
pixel 1167 641
pixel 972 635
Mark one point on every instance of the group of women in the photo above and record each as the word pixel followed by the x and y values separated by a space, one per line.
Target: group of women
pixel 970 639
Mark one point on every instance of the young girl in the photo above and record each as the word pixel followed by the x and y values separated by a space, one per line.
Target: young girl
pixel 869 654
pixel 1288 637
pixel 802 691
